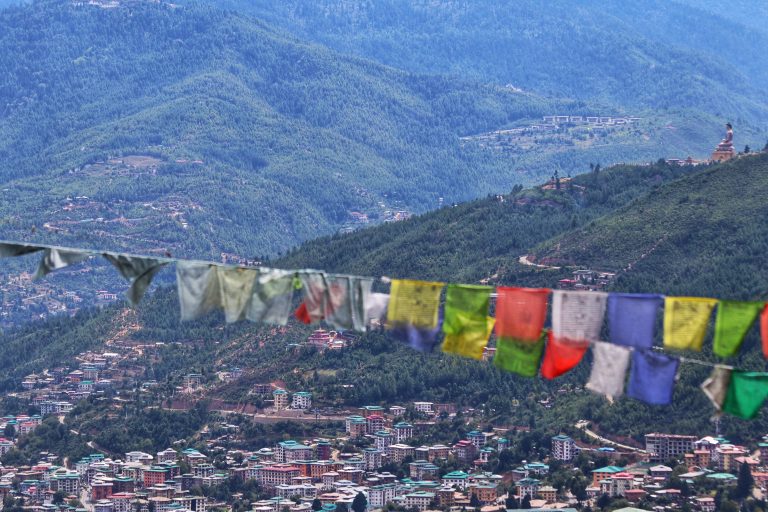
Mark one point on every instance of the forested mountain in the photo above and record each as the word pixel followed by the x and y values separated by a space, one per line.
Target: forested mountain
pixel 467 243
pixel 654 53
pixel 153 126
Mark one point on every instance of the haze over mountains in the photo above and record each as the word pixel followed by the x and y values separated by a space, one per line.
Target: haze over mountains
pixel 200 131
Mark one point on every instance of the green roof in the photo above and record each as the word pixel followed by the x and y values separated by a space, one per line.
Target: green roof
pixel 722 476
pixel 456 474
pixel 609 469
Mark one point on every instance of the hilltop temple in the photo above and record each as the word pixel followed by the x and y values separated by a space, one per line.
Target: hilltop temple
pixel 724 151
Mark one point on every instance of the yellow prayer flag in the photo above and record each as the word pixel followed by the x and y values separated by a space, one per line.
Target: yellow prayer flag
pixel 470 342
pixel 685 321
pixel 414 303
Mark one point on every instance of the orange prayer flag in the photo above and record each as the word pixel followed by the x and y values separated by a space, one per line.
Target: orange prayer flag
pixel 560 358
pixel 521 312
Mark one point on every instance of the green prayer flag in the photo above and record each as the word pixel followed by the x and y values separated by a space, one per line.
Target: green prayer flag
pixel 467 325
pixel 521 357
pixel 734 319
pixel 746 393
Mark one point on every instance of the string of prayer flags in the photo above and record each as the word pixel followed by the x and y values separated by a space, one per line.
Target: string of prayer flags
pixel 521 313
pixel 746 393
pixel 138 271
pixel 685 321
pixel 198 287
pixel 632 318
pixel 764 330
pixel 271 297
pixel 11 250
pixel 577 316
pixel 716 386
pixel 733 321
pixel 609 369
pixel 560 358
pixel 652 377
pixel 520 357
pixel 414 303
pixel 467 325
pixel 55 259
pixel 236 289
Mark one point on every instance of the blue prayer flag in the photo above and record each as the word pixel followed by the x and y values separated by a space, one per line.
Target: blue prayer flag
pixel 632 318
pixel 652 378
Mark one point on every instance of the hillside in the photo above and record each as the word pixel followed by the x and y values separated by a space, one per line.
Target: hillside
pixel 703 234
pixel 654 54
pixel 218 134
pixel 463 243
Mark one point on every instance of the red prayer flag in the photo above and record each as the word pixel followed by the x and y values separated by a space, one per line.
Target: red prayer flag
pixel 302 314
pixel 521 312
pixel 560 358
pixel 764 329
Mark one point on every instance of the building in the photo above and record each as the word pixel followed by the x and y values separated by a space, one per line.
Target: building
pixel 403 431
pixel 662 447
pixel 280 397
pixel 356 426
pixel 302 400
pixel 167 455
pixel 528 487
pixel 486 493
pixel 617 484
pixel 288 451
pixel 67 482
pixel 380 495
pixel 271 476
pixel 374 422
pixel 465 451
pixel 384 439
pixel 424 407
pixel 456 480
pixel 477 438
pixel 602 473
pixel 423 470
pixel 419 500
pixel 562 448
pixel 397 410
pixel 399 452
pixel 372 458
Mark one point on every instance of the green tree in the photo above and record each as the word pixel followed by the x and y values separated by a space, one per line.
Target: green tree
pixel 474 501
pixel 511 503
pixel 360 503
pixel 729 506
pixel 317 504
pixel 603 501
pixel 747 149
pixel 526 502
pixel 9 431
pixel 745 482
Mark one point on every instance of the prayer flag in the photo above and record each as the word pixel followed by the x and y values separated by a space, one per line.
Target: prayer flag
pixel 421 339
pixel 55 259
pixel 764 330
pixel 414 303
pixel 271 297
pixel 746 394
pixel 577 317
pixel 652 377
pixel 632 318
pixel 716 386
pixel 733 321
pixel 609 369
pixel 467 325
pixel 376 308
pixel 520 313
pixel 346 301
pixel 521 357
pixel 138 271
pixel 685 321
pixel 10 250
pixel 236 289
pixel 315 293
pixel 560 358
pixel 198 287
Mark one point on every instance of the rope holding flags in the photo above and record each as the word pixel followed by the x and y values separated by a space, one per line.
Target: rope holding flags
pixel 414 313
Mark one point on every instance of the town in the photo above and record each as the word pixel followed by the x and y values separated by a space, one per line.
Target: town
pixel 375 461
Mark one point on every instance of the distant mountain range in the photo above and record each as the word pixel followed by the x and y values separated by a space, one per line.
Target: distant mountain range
pixel 157 127
pixel 656 54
